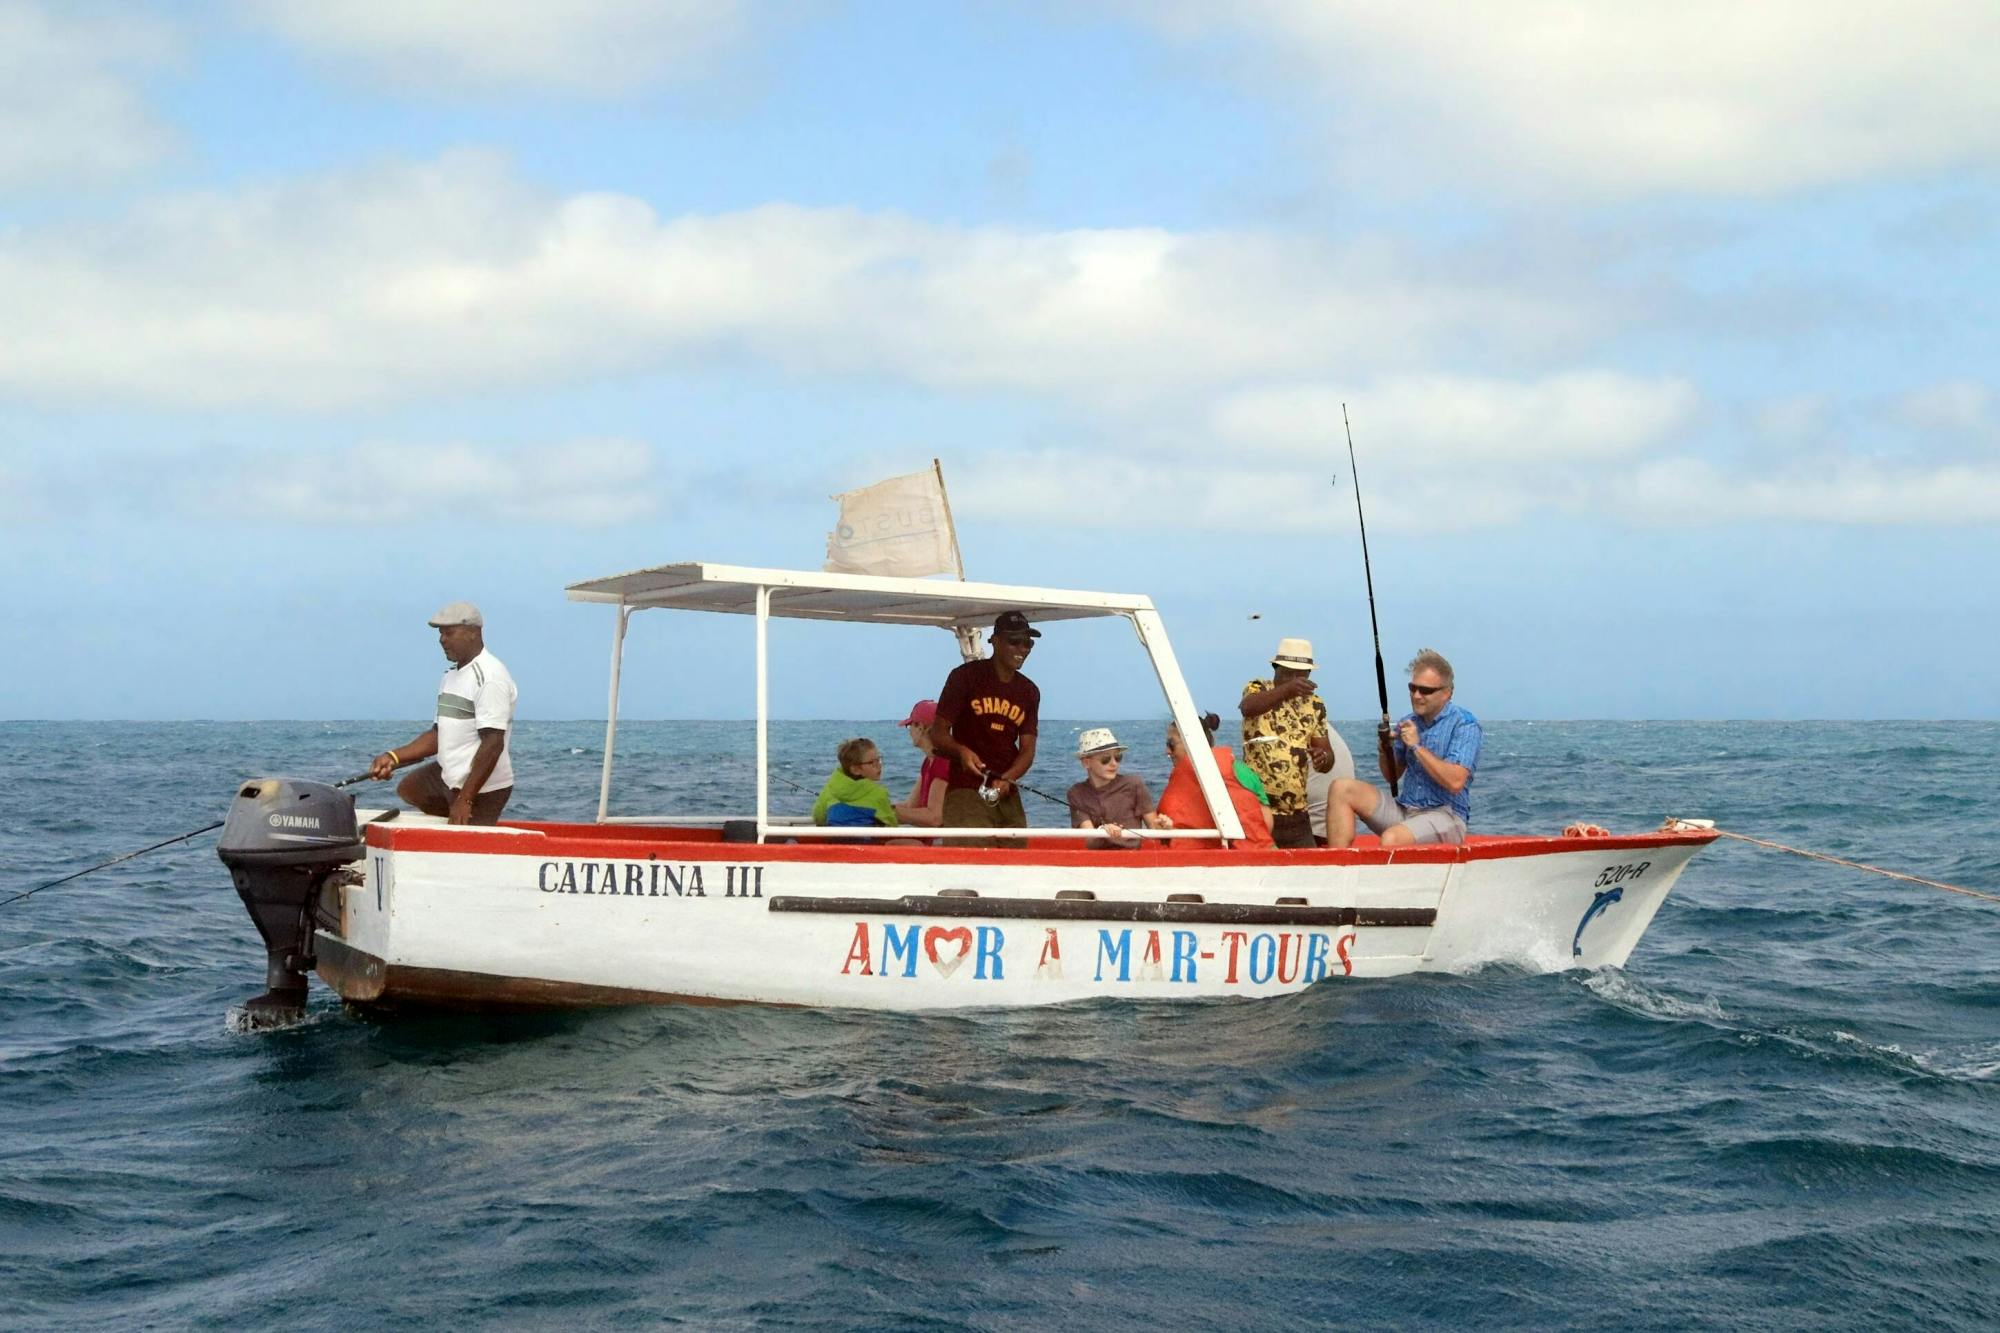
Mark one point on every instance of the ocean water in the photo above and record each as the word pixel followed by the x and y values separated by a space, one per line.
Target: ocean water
pixel 1785 1112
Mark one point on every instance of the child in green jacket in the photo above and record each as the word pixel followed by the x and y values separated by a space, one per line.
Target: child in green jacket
pixel 854 796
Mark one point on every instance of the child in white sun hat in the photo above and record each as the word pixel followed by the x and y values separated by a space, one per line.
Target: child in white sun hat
pixel 1107 798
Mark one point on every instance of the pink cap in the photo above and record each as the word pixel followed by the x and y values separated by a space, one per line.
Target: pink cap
pixel 922 714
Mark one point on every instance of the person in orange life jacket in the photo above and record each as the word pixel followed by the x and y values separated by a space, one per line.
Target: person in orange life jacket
pixel 925 808
pixel 988 714
pixel 1182 805
pixel 473 775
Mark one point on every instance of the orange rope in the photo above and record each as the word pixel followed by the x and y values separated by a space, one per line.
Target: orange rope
pixel 1856 865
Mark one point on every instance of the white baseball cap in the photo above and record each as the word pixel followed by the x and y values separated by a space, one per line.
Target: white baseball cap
pixel 457 613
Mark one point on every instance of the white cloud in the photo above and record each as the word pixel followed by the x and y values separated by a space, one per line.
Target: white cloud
pixel 400 281
pixel 1453 420
pixel 1460 454
pixel 1709 96
pixel 69 111
pixel 588 47
pixel 1440 452
pixel 1792 418
pixel 577 483
pixel 1058 487
pixel 1846 492
pixel 1142 492
pixel 1954 405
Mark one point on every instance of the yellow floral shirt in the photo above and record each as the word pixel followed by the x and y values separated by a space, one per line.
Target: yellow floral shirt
pixel 1284 762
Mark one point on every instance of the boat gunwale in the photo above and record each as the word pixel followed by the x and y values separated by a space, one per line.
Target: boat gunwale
pixel 587 841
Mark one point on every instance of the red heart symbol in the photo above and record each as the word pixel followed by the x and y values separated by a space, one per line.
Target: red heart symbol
pixel 936 933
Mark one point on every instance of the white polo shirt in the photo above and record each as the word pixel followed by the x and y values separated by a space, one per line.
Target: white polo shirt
pixel 479 694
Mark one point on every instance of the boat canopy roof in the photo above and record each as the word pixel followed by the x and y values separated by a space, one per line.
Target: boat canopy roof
pixel 861 598
pixel 870 599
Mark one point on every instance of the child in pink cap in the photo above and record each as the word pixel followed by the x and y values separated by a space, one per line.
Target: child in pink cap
pixel 925 808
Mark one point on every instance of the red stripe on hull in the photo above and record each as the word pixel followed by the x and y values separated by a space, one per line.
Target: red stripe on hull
pixel 622 841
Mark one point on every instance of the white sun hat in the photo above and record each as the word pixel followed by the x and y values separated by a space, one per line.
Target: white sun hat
pixel 1296 654
pixel 1096 740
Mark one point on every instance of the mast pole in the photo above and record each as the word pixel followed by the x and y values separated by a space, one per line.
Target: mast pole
pixel 944 497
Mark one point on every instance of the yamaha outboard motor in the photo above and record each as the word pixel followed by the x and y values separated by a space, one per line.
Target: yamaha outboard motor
pixel 281 841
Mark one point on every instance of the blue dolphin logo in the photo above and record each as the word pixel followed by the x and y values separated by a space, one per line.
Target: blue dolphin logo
pixel 1597 904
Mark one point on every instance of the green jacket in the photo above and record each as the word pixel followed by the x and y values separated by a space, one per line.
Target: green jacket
pixel 846 802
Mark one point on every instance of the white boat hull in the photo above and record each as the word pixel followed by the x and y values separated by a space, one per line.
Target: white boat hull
pixel 578 914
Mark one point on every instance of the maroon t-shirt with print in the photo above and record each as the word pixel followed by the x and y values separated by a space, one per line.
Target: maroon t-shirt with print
pixel 987 716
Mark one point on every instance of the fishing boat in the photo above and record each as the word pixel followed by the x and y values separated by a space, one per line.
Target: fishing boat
pixel 748 907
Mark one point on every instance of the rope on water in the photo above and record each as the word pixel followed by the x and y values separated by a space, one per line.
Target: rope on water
pixel 1682 825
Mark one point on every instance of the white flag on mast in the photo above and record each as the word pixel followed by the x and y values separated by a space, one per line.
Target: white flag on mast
pixel 900 527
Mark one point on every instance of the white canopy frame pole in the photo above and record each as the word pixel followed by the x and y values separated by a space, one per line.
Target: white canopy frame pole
pixel 611 713
pixel 763 710
pixel 1153 635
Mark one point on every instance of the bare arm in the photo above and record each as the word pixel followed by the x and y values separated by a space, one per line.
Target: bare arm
pixel 387 762
pixel 928 815
pixel 942 742
pixel 1021 764
pixel 1452 777
pixel 492 740
pixel 1258 702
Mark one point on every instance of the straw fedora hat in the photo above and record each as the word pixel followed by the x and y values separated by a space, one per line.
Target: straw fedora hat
pixel 1296 654
pixel 1096 740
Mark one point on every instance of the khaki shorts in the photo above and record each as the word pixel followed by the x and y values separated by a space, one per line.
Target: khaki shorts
pixel 486 807
pixel 1437 824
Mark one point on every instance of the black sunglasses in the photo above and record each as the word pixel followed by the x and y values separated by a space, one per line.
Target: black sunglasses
pixel 1426 691
pixel 1018 640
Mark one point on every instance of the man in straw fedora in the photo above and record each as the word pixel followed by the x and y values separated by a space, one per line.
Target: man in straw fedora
pixel 1284 732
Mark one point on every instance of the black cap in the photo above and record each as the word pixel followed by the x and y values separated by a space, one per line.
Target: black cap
pixel 1013 622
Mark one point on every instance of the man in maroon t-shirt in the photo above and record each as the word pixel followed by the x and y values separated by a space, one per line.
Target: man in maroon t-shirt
pixel 987 716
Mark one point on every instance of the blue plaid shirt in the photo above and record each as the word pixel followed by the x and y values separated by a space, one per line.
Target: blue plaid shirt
pixel 1454 738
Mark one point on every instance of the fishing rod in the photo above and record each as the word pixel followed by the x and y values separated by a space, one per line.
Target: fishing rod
pixel 1022 785
pixel 191 833
pixel 1381 678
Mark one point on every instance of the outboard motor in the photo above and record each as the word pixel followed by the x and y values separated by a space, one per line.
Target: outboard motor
pixel 282 839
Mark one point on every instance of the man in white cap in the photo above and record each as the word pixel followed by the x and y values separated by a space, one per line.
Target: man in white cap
pixel 1285 733
pixel 473 775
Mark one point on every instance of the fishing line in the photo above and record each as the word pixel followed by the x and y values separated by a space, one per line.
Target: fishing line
pixel 1022 785
pixel 191 833
pixel 1677 825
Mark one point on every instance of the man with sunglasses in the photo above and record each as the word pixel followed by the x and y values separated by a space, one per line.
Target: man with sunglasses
pixel 1433 751
pixel 987 717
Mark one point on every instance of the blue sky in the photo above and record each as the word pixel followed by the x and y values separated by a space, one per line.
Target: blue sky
pixel 1667 333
